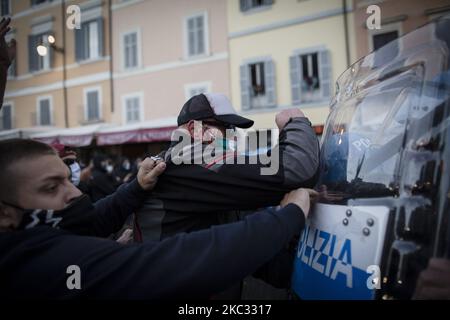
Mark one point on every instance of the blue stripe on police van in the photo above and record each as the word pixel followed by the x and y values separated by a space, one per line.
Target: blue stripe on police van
pixel 310 284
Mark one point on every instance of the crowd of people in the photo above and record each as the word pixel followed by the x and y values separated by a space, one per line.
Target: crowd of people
pixel 103 174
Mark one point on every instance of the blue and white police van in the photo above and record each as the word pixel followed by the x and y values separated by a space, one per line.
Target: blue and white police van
pixel 384 174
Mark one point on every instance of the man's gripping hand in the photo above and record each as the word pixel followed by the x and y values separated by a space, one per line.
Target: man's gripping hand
pixel 149 172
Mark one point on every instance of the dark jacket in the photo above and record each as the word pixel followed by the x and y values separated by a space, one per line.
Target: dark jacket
pixel 34 262
pixel 109 214
pixel 102 184
pixel 191 197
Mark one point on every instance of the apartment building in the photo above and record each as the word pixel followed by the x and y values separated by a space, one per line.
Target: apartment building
pixel 287 53
pixel 61 76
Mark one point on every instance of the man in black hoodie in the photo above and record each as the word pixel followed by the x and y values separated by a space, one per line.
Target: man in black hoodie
pixel 41 247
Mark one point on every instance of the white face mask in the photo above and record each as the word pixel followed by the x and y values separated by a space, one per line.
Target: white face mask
pixel 126 165
pixel 76 173
pixel 109 168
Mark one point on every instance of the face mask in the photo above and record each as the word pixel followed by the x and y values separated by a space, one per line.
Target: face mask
pixel 76 173
pixel 109 168
pixel 75 218
pixel 126 166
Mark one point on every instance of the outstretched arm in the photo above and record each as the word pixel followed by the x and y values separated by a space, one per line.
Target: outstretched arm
pixel 194 265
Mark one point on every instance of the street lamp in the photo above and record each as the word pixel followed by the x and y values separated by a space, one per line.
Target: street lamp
pixel 51 39
pixel 43 49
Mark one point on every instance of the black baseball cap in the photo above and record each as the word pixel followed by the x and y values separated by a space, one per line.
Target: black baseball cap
pixel 212 105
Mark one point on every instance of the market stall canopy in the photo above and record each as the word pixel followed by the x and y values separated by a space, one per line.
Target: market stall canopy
pixel 72 137
pixel 148 131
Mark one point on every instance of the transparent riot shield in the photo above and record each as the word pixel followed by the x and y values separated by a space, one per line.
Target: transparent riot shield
pixel 384 174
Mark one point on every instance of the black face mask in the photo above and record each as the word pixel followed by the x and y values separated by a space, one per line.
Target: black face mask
pixel 75 218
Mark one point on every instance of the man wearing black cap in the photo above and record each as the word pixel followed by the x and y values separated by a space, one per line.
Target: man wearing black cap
pixel 196 196
pixel 198 191
pixel 212 106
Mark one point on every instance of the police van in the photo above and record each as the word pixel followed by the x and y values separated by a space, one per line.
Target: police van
pixel 384 174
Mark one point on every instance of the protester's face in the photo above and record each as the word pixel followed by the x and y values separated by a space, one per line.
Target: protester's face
pixel 206 130
pixel 43 183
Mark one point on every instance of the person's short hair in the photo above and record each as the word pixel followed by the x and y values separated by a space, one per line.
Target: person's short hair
pixel 14 150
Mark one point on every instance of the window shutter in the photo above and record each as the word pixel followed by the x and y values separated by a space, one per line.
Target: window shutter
pixel 267 2
pixel 295 67
pixel 191 36
pixel 101 44
pixel 44 112
pixel 135 50
pixel 126 53
pixel 80 42
pixel 269 77
pixel 128 110
pixel 32 53
pixel 245 5
pixel 200 35
pixel 137 111
pixel 93 107
pixel 131 50
pixel 97 106
pixel 325 73
pixel 245 87
pixel 6 117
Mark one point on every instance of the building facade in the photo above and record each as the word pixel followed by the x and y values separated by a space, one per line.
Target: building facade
pixel 128 69
pixel 286 54
pixel 68 86
pixel 164 53
pixel 397 17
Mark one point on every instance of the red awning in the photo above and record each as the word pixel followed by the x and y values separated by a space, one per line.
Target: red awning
pixel 148 131
pixel 72 137
pixel 134 136
pixel 106 134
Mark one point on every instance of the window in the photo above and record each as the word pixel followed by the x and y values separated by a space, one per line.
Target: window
pixel 381 39
pixel 197 35
pixel 6 117
pixel 44 111
pixel 194 89
pixel 131 47
pixel 5 7
pixel 35 61
pixel 36 2
pixel 385 37
pixel 258 85
pixel 310 76
pixel 257 79
pixel 133 108
pixel 92 105
pixel 247 5
pixel 89 40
